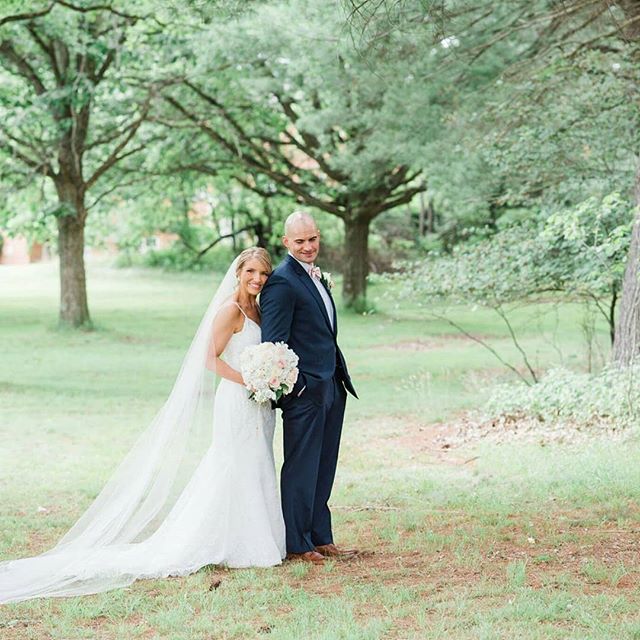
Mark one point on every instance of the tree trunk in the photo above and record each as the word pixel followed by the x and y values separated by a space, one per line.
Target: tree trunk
pixel 421 216
pixel 356 268
pixel 74 309
pixel 627 337
pixel 431 217
pixel 612 313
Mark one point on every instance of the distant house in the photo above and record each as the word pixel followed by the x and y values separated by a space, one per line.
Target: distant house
pixel 159 241
pixel 17 251
pixel 199 214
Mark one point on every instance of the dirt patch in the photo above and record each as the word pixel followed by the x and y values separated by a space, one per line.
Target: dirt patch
pixel 437 443
pixel 600 557
pixel 440 442
pixel 604 559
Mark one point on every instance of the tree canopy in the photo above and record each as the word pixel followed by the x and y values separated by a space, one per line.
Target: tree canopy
pixel 353 109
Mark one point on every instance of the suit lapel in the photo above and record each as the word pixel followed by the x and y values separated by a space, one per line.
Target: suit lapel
pixel 333 306
pixel 305 278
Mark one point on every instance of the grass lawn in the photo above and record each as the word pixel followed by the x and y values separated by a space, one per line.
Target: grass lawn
pixel 490 541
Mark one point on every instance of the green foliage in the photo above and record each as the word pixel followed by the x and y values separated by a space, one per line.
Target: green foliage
pixel 580 251
pixel 498 119
pixel 40 109
pixel 543 102
pixel 573 128
pixel 611 398
pixel 490 272
pixel 574 254
pixel 588 244
pixel 179 258
pixel 301 114
pixel 341 111
pixel 28 213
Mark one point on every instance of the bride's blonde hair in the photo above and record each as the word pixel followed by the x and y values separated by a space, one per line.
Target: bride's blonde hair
pixel 254 252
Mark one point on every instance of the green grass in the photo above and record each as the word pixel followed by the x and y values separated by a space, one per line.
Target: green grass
pixel 523 542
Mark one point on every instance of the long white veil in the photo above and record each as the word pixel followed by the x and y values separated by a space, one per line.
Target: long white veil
pixel 144 488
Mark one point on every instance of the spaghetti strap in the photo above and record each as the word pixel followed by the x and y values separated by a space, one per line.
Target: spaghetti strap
pixel 241 310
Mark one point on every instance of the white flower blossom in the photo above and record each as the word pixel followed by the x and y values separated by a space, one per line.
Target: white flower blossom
pixel 327 279
pixel 269 370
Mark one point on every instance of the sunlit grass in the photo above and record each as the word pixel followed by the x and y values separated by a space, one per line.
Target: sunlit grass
pixel 523 542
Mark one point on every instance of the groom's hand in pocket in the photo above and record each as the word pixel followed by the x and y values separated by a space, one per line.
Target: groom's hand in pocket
pixel 300 386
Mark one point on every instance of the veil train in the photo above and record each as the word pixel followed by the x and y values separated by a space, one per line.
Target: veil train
pixel 139 495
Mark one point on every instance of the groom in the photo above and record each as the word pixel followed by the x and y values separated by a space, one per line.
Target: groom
pixel 297 308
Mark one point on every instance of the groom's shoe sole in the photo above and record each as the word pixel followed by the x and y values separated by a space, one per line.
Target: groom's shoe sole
pixel 308 556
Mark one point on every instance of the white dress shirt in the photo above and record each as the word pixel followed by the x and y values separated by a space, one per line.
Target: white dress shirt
pixel 319 286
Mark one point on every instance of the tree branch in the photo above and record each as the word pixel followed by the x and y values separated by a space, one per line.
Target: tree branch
pixel 210 246
pixel 337 176
pixel 20 17
pixel 37 165
pixel 480 341
pixel 603 36
pixel 254 187
pixel 8 51
pixel 261 165
pixel 402 198
pixel 99 7
pixel 113 136
pixel 115 187
pixel 500 311
pixel 48 51
pixel 229 118
pixel 310 144
pixel 115 156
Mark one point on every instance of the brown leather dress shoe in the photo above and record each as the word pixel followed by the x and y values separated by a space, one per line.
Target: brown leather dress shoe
pixel 308 556
pixel 331 551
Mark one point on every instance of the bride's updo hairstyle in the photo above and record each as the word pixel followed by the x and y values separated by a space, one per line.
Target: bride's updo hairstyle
pixel 254 252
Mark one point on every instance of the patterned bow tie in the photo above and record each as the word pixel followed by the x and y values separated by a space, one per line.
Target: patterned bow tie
pixel 315 273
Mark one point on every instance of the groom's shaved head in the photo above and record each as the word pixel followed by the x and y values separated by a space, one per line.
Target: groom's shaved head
pixel 301 236
pixel 297 220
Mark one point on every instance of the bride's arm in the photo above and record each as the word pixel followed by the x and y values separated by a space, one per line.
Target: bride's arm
pixel 227 321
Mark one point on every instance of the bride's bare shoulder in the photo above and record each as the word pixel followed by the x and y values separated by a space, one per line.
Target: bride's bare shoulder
pixel 229 315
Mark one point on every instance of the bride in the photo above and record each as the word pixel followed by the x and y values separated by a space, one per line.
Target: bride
pixel 187 494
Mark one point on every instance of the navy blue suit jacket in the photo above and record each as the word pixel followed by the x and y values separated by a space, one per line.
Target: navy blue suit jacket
pixel 292 311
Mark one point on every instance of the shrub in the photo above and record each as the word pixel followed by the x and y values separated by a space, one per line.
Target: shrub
pixel 611 397
pixel 179 258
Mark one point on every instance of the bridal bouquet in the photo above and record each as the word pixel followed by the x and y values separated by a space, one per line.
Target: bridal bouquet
pixel 269 370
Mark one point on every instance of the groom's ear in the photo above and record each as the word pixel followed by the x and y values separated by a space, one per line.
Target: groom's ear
pixel 285 241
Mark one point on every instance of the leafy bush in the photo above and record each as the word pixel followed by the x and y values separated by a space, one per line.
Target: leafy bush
pixel 610 397
pixel 178 258
pixel 580 251
pixel 574 254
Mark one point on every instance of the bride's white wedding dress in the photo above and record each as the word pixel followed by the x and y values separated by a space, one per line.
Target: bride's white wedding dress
pixel 228 513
